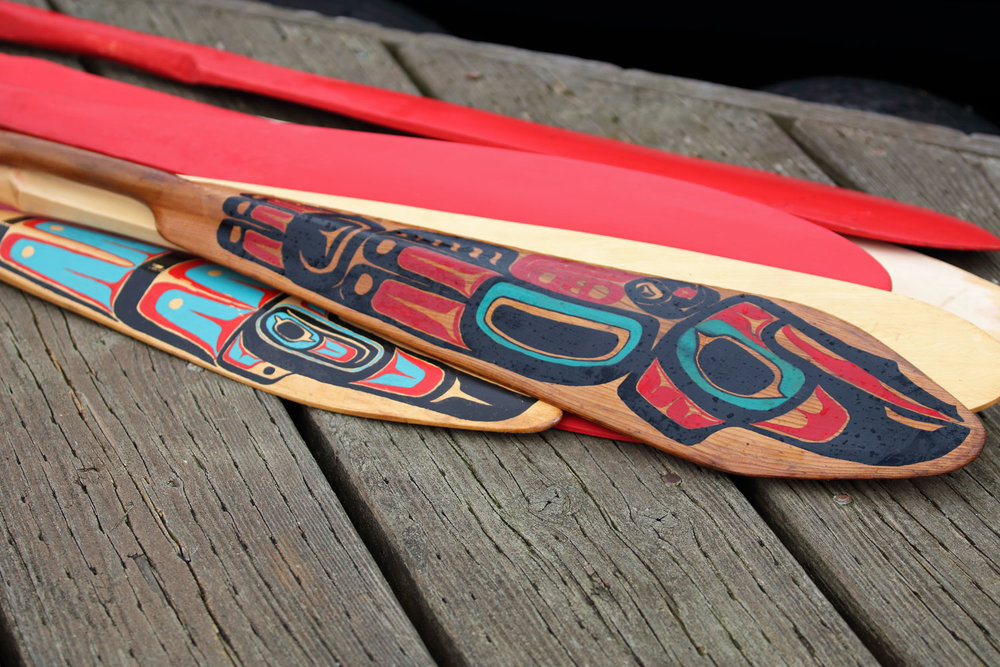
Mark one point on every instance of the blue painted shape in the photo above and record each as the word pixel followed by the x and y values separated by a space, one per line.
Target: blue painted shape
pixel 88 276
pixel 238 355
pixel 405 374
pixel 230 283
pixel 198 316
pixel 130 250
pixel 791 380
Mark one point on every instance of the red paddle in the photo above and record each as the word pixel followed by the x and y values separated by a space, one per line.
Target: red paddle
pixel 843 210
pixel 181 136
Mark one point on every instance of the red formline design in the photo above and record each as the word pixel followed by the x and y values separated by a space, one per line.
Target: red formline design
pixel 842 210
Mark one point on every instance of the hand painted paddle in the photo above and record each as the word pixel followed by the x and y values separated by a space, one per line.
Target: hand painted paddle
pixel 247 331
pixel 933 340
pixel 725 379
pixel 843 210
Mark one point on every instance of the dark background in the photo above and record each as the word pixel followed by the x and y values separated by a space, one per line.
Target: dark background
pixel 938 62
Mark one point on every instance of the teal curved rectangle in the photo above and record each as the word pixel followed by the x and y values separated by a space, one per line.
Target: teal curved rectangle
pixel 556 305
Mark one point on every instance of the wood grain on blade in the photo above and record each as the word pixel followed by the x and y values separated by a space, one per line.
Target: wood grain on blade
pixel 932 339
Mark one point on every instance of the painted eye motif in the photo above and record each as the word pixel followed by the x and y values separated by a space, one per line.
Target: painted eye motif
pixel 736 366
pixel 317 342
pixel 669 298
pixel 746 362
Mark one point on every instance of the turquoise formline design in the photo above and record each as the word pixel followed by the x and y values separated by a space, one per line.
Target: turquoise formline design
pixel 791 381
pixel 553 304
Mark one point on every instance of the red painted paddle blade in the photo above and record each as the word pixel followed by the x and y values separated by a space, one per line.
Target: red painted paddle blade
pixel 181 136
pixel 839 209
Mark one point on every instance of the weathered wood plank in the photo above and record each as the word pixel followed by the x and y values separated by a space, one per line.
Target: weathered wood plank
pixel 958 628
pixel 904 168
pixel 152 513
pixel 914 564
pixel 548 92
pixel 848 587
pixel 500 623
pixel 558 549
pixel 295 42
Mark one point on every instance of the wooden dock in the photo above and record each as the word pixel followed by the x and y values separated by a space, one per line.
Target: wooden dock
pixel 153 513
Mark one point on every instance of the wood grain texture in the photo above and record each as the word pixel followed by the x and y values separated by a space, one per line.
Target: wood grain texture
pixel 851 588
pixel 165 515
pixel 590 100
pixel 257 336
pixel 560 549
pixel 867 581
pixel 295 42
pixel 914 564
pixel 904 169
pixel 934 341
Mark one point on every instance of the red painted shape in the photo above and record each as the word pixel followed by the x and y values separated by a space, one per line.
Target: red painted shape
pixel 263 248
pixel 820 425
pixel 430 313
pixel 747 318
pixel 856 375
pixel 842 210
pixel 57 103
pixel 461 276
pixel 432 377
pixel 655 386
pixel 597 284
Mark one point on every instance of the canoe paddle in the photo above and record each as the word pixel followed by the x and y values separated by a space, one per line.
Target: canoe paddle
pixel 843 210
pixel 933 340
pixel 186 137
pixel 728 380
pixel 247 331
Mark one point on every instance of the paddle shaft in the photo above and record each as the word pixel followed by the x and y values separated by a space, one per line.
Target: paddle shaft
pixel 500 314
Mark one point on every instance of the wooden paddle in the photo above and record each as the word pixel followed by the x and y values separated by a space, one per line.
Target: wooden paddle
pixel 837 208
pixel 933 340
pixel 940 284
pixel 725 379
pixel 246 331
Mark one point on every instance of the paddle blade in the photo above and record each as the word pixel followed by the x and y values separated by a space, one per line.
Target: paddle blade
pixel 180 136
pixel 247 331
pixel 729 380
pixel 839 209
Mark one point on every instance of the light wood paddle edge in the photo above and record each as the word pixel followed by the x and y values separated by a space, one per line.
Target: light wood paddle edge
pixel 189 217
pixel 934 340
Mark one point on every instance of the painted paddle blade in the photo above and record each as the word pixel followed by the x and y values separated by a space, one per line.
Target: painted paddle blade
pixel 186 137
pixel 247 331
pixel 932 339
pixel 729 380
pixel 842 210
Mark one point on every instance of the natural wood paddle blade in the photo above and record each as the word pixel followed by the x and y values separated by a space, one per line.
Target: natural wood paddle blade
pixel 940 283
pixel 725 379
pixel 913 323
pixel 247 331
pixel 932 339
